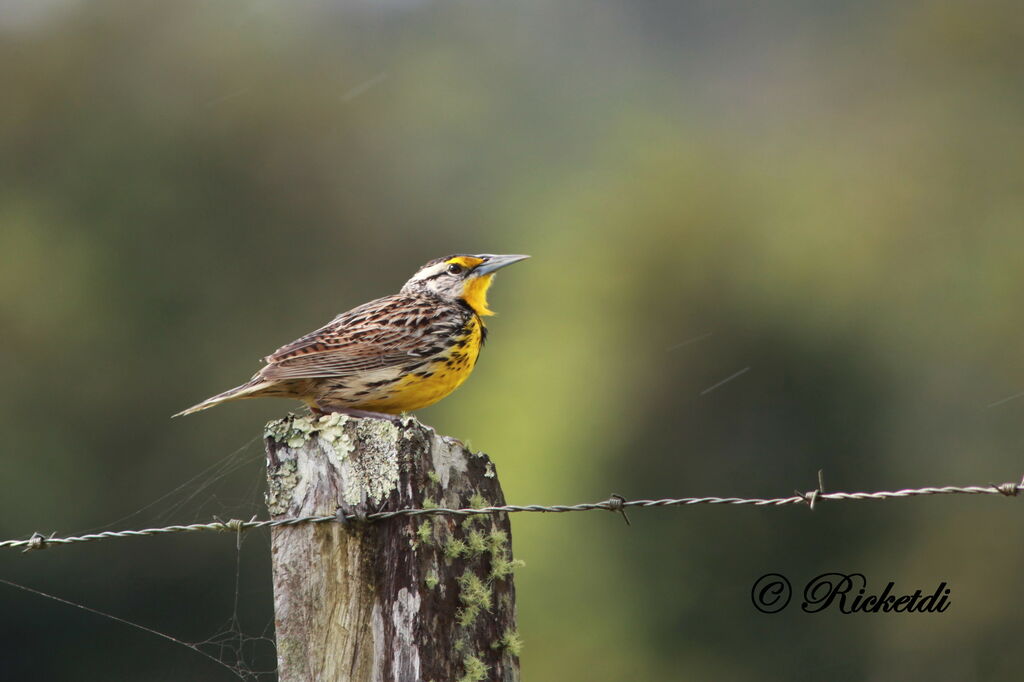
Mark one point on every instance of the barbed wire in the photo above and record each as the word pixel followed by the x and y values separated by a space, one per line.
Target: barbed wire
pixel 615 503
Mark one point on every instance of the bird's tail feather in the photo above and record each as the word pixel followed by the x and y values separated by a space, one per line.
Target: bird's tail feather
pixel 247 390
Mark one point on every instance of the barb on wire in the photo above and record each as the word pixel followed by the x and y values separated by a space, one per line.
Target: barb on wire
pixel 616 503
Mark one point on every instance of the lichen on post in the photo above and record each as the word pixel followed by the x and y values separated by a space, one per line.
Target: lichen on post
pixel 404 599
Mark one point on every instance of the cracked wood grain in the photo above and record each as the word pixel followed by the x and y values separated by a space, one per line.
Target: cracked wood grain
pixel 399 600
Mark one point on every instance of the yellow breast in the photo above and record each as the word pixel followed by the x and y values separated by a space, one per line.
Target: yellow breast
pixel 441 375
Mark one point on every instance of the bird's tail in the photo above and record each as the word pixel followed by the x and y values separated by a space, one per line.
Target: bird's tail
pixel 250 389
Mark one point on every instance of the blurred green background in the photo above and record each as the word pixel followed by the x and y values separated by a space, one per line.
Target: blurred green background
pixel 824 196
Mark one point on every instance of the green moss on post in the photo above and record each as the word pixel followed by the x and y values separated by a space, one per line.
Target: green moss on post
pixel 510 642
pixel 408 598
pixel 476 669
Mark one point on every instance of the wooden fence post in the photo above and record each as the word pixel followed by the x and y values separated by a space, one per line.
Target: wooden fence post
pixel 404 599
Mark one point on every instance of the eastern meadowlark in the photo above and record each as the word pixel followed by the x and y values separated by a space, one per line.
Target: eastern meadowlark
pixel 395 354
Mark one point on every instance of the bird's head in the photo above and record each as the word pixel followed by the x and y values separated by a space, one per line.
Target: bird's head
pixel 460 277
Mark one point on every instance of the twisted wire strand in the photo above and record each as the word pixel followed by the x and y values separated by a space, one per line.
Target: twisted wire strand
pixel 615 503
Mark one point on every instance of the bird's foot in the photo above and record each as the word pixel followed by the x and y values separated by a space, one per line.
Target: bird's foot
pixel 322 411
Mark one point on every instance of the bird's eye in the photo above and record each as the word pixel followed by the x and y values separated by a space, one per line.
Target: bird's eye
pixel 455 269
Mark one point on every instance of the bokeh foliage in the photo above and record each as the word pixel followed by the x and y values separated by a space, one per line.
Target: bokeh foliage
pixel 829 194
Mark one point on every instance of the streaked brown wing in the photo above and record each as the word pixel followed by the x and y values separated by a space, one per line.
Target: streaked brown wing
pixel 388 332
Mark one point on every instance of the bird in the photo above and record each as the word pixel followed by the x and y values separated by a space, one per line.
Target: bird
pixel 393 355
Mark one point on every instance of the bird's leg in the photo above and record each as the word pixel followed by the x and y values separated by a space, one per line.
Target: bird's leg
pixel 315 410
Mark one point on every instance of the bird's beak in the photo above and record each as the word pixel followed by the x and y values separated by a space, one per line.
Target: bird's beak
pixel 493 262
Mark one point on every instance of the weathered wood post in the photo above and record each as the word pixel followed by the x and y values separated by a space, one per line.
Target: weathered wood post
pixel 404 599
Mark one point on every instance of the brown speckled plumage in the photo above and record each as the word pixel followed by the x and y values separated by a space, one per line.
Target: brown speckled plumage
pixel 394 354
